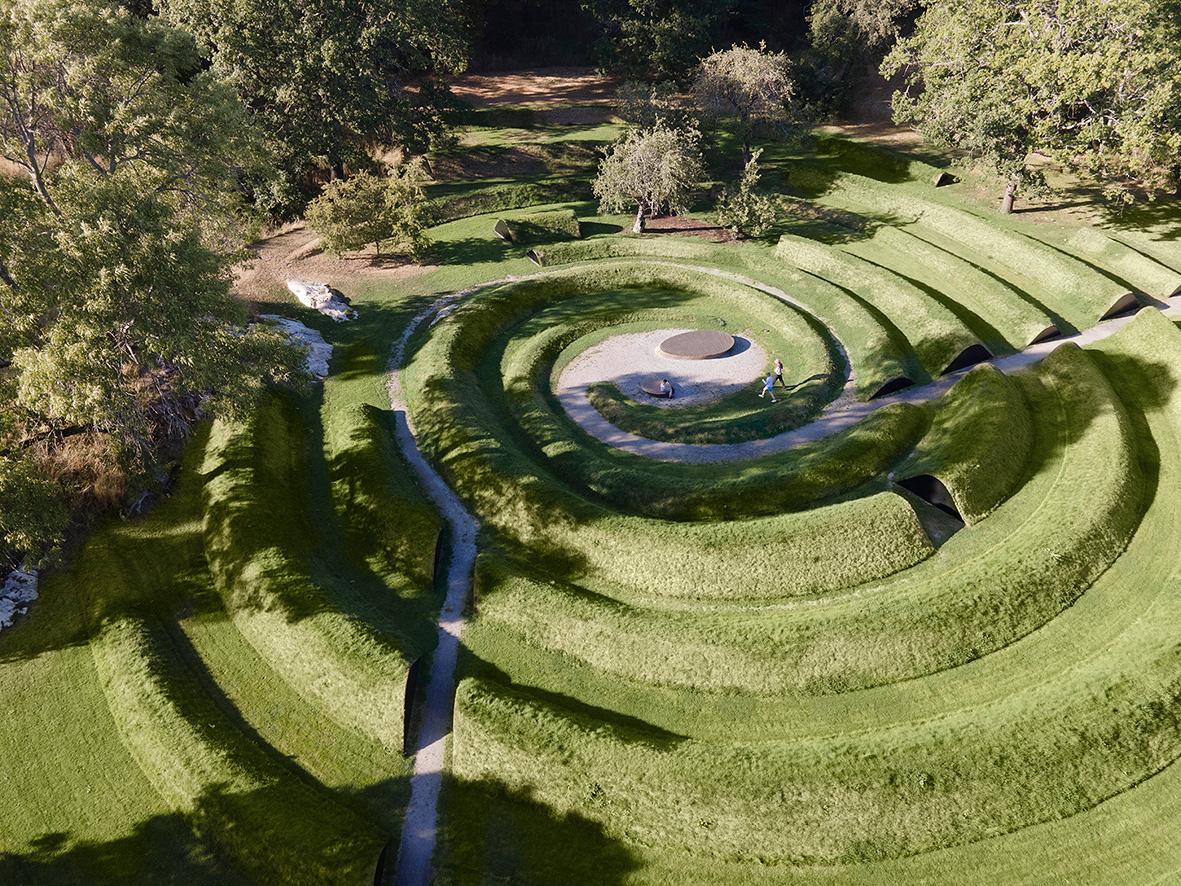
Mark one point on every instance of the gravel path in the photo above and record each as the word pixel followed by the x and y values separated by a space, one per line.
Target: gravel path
pixel 842 413
pixel 420 825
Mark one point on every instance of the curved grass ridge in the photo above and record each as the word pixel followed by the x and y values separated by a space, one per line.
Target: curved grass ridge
pixel 759 487
pixel 1021 568
pixel 779 329
pixel 1060 282
pixel 466 435
pixel 937 335
pixel 1002 316
pixel 235 794
pixel 979 442
pixel 386 522
pixel 877 349
pixel 257 552
pixel 1093 721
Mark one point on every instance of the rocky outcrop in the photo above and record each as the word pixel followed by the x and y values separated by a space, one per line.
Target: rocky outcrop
pixel 17 592
pixel 323 298
pixel 319 351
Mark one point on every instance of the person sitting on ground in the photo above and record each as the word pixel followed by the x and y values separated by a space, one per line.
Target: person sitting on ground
pixel 666 388
pixel 769 388
pixel 779 372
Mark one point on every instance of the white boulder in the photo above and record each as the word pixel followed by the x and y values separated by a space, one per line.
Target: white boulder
pixel 17 592
pixel 323 298
pixel 319 351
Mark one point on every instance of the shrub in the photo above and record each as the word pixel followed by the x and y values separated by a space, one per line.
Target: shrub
pixel 354 212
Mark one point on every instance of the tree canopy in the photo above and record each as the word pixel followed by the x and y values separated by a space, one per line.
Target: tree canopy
pixel 368 209
pixel 91 83
pixel 750 86
pixel 328 80
pixel 658 39
pixel 1090 83
pixel 651 170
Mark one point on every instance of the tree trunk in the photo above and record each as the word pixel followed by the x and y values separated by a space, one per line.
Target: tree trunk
pixel 1010 196
pixel 745 153
pixel 638 227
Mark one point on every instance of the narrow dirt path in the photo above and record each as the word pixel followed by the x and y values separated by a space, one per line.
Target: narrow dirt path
pixel 420 825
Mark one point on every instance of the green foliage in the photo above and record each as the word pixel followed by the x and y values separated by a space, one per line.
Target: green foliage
pixel 979 442
pixel 654 170
pixel 751 87
pixel 847 39
pixel 1090 84
pixel 742 209
pixel 657 39
pixel 93 85
pixel 326 80
pixel 366 209
pixel 644 104
pixel 124 320
pixel 543 227
pixel 33 515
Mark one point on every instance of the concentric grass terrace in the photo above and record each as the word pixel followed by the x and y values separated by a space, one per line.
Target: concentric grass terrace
pixel 782 668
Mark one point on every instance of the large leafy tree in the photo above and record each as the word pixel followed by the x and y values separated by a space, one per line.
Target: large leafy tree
pixel 658 39
pixel 1091 83
pixel 116 324
pixel 749 86
pixel 90 83
pixel 327 80
pixel 849 38
pixel 651 170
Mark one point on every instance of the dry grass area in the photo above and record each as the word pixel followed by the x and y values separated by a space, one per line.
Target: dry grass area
pixel 292 251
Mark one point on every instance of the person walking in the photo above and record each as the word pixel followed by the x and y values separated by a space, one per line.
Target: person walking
pixel 768 388
pixel 779 372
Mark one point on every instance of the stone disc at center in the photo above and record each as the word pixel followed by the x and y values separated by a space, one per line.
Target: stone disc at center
pixel 698 344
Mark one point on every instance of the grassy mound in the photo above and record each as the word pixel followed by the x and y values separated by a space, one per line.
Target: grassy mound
pixel 979 442
pixel 542 227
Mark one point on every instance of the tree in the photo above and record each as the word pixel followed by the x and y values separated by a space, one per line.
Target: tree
pixel 752 87
pixel 327 80
pixel 122 320
pixel 1092 85
pixel 655 170
pixel 850 37
pixel 658 39
pixel 354 212
pixel 87 82
pixel 742 209
pixel 646 104
pixel 33 516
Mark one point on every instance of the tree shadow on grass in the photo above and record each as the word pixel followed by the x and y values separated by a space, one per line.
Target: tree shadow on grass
pixel 491 834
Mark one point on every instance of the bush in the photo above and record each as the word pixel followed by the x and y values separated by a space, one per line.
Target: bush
pixel 33 516
pixel 354 212
pixel 744 211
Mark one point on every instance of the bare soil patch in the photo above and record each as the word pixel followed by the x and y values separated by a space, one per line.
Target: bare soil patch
pixel 540 88
pixel 292 252
pixel 689 227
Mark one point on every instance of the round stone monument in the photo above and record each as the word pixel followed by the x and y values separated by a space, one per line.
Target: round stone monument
pixel 698 344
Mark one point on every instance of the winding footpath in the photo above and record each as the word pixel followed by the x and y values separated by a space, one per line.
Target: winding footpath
pixel 420 826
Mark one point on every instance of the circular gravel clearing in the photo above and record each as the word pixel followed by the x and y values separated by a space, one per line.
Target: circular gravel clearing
pixel 629 359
